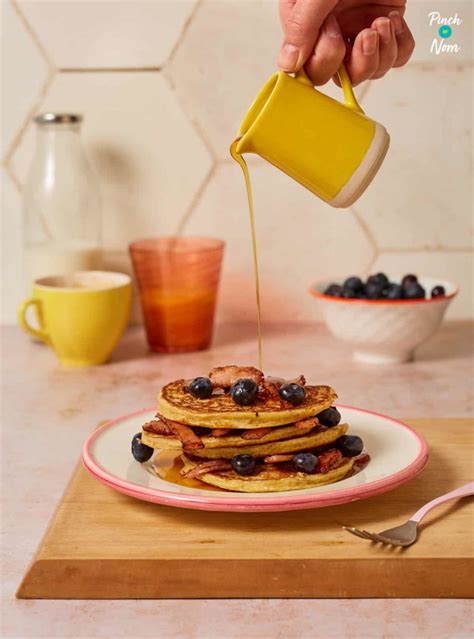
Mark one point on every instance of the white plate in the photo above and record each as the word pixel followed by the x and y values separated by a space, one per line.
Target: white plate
pixel 397 454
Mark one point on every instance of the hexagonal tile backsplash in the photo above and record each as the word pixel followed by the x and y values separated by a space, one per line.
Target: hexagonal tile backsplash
pixel 163 85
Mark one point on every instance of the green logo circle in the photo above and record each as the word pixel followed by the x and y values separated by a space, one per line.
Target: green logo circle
pixel 445 31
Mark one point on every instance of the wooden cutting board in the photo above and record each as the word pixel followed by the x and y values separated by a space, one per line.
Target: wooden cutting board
pixel 104 545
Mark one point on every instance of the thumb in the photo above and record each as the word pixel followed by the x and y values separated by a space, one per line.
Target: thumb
pixel 301 29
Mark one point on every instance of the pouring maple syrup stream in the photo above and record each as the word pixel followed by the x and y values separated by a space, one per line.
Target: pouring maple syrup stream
pixel 167 463
pixel 248 186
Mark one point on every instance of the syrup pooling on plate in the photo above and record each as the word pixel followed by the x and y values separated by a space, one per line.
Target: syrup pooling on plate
pixel 168 465
pixel 248 186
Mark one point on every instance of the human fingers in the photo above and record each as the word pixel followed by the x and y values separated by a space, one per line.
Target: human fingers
pixel 286 7
pixel 355 15
pixel 363 60
pixel 328 53
pixel 388 48
pixel 404 37
pixel 301 30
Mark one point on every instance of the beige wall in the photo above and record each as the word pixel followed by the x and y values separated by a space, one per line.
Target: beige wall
pixel 163 86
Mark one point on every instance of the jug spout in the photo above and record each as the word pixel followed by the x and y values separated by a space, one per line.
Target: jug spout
pixel 246 142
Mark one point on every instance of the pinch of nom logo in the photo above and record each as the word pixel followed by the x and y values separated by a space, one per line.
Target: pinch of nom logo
pixel 445 28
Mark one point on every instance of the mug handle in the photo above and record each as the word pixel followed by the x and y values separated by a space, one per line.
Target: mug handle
pixel 349 97
pixel 39 333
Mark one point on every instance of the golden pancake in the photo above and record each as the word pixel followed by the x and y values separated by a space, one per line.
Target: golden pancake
pixel 220 410
pixel 274 448
pixel 167 442
pixel 269 478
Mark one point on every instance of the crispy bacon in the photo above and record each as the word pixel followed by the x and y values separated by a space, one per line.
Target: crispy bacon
pixel 157 427
pixel 256 433
pixel 361 461
pixel 276 459
pixel 305 423
pixel 279 381
pixel 329 459
pixel 184 433
pixel 220 432
pixel 269 390
pixel 225 376
pixel 210 466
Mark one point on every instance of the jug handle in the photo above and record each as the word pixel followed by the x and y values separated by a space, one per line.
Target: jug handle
pixel 349 97
pixel 346 84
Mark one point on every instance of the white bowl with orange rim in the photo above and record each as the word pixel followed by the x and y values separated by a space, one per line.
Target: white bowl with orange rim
pixel 385 331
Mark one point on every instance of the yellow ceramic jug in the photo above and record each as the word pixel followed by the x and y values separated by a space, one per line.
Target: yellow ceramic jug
pixel 331 148
pixel 81 317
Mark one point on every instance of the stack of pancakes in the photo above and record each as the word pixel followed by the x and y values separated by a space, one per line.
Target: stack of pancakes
pixel 210 432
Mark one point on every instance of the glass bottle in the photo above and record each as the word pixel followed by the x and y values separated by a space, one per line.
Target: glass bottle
pixel 61 202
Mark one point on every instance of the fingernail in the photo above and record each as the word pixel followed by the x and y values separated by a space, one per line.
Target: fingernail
pixel 397 22
pixel 369 42
pixel 385 27
pixel 288 58
pixel 331 27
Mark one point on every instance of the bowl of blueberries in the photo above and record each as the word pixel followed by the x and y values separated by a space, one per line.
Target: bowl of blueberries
pixel 384 318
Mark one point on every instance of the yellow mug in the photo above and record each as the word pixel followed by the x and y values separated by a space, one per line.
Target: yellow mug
pixel 82 316
pixel 331 148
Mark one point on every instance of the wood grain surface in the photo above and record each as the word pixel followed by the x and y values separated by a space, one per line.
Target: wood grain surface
pixel 104 545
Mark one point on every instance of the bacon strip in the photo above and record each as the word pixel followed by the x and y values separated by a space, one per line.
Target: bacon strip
pixel 329 459
pixel 269 390
pixel 362 460
pixel 184 433
pixel 207 467
pixel 279 381
pixel 305 423
pixel 276 459
pixel 157 427
pixel 255 433
pixel 220 432
pixel 225 376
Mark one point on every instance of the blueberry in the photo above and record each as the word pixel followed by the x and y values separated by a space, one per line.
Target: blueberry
pixel 200 387
pixel 141 452
pixel 394 291
pixel 293 393
pixel 305 462
pixel 374 290
pixel 244 391
pixel 350 445
pixel 243 464
pixel 409 279
pixel 349 294
pixel 353 283
pixel 334 290
pixel 379 278
pixel 414 291
pixel 438 291
pixel 329 417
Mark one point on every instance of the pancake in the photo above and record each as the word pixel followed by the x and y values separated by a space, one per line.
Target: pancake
pixel 274 448
pixel 270 478
pixel 220 411
pixel 167 442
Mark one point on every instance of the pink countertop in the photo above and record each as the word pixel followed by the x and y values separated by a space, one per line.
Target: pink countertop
pixel 47 411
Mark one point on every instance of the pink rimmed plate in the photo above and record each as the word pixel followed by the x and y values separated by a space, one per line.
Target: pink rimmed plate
pixel 397 453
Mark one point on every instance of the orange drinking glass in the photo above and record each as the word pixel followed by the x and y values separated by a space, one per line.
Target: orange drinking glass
pixel 178 279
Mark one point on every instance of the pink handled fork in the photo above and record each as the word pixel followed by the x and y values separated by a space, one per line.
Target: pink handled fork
pixel 407 533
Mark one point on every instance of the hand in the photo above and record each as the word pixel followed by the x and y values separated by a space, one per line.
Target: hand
pixel 371 35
